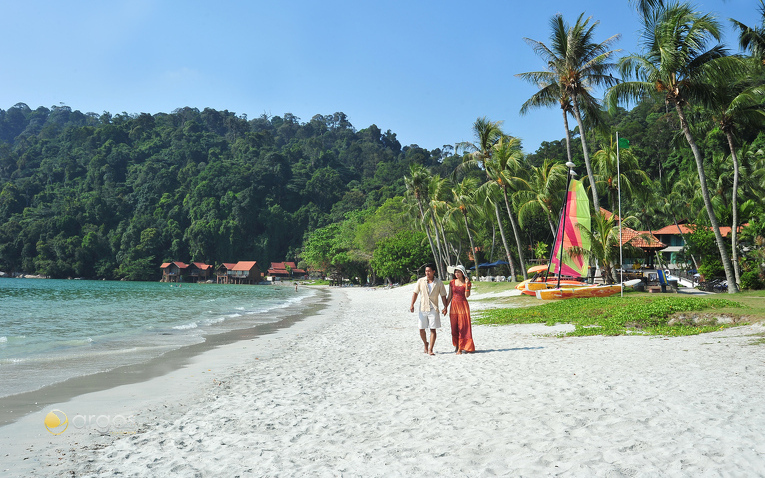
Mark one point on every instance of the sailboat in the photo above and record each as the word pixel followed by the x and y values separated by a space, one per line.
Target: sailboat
pixel 575 216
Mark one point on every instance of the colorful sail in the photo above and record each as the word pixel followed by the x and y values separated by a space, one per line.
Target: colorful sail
pixel 577 212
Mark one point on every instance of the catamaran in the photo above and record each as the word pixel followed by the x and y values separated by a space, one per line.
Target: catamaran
pixel 574 217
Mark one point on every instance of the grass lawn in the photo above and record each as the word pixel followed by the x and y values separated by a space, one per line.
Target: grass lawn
pixel 635 313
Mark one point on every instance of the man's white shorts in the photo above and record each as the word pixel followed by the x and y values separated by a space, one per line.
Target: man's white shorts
pixel 430 320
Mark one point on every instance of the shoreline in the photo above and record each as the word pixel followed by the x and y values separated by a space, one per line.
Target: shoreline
pixel 348 392
pixel 17 406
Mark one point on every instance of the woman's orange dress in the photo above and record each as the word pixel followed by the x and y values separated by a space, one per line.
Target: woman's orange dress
pixel 459 315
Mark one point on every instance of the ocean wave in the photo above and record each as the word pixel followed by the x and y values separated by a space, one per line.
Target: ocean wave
pixel 217 320
pixel 192 325
pixel 85 354
pixel 3 339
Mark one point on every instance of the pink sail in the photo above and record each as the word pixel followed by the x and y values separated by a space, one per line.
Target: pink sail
pixel 577 212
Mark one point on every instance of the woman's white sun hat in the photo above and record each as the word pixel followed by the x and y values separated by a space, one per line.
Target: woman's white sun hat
pixel 461 269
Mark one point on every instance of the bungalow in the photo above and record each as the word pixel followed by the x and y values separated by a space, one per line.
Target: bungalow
pixel 285 270
pixel 173 271
pixel 199 271
pixel 245 272
pixel 224 272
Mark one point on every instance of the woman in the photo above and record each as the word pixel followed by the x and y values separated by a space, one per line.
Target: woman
pixel 459 291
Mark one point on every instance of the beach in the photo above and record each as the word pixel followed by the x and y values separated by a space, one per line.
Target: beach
pixel 348 391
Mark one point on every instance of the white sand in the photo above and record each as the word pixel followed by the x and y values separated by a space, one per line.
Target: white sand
pixel 350 393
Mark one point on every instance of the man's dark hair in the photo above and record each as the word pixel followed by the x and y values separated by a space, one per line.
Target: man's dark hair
pixel 432 266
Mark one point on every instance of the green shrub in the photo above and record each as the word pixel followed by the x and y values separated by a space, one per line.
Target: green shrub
pixel 751 280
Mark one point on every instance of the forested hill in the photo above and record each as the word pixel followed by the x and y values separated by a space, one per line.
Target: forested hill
pixel 113 196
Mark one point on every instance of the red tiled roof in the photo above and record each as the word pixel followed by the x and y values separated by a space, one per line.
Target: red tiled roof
pixel 180 265
pixel 642 239
pixel 686 229
pixel 202 266
pixel 244 265
pixel 164 264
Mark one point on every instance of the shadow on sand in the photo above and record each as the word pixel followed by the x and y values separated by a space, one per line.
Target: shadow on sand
pixel 506 350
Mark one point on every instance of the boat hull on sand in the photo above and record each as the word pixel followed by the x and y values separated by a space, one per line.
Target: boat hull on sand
pixel 585 291
pixel 530 287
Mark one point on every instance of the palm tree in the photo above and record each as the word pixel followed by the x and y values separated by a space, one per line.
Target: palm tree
pixel 437 192
pixel 673 65
pixel 735 104
pixel 645 7
pixel 502 168
pixel 577 64
pixel 540 192
pixel 490 195
pixel 488 134
pixel 463 201
pixel 609 171
pixel 753 38
pixel 417 186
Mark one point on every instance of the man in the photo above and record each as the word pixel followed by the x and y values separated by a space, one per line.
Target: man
pixel 430 287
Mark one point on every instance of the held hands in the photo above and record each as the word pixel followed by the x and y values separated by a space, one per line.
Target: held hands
pixel 444 311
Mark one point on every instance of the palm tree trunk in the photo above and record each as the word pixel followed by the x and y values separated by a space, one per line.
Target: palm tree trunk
pixel 732 288
pixel 504 241
pixel 568 134
pixel 439 256
pixel 445 254
pixel 427 232
pixel 590 175
pixel 734 229
pixel 470 238
pixel 516 234
pixel 493 242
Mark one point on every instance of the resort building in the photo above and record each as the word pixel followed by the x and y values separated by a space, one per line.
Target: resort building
pixel 245 272
pixel 286 270
pixel 173 271
pixel 199 272
pixel 242 272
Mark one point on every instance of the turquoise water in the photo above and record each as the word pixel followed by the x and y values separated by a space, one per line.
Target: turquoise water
pixel 52 330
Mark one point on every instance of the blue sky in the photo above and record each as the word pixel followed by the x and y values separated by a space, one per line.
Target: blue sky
pixel 423 69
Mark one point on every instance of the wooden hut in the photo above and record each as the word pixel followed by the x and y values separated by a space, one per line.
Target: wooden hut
pixel 173 271
pixel 245 272
pixel 224 272
pixel 199 272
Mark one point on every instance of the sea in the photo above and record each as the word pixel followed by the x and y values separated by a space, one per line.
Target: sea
pixel 53 330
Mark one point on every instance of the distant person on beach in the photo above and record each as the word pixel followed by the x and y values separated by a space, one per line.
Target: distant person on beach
pixel 459 315
pixel 431 288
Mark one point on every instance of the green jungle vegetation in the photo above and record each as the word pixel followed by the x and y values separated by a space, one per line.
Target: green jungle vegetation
pixel 113 196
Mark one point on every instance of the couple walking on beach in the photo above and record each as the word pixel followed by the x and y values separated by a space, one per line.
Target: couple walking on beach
pixel 431 288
